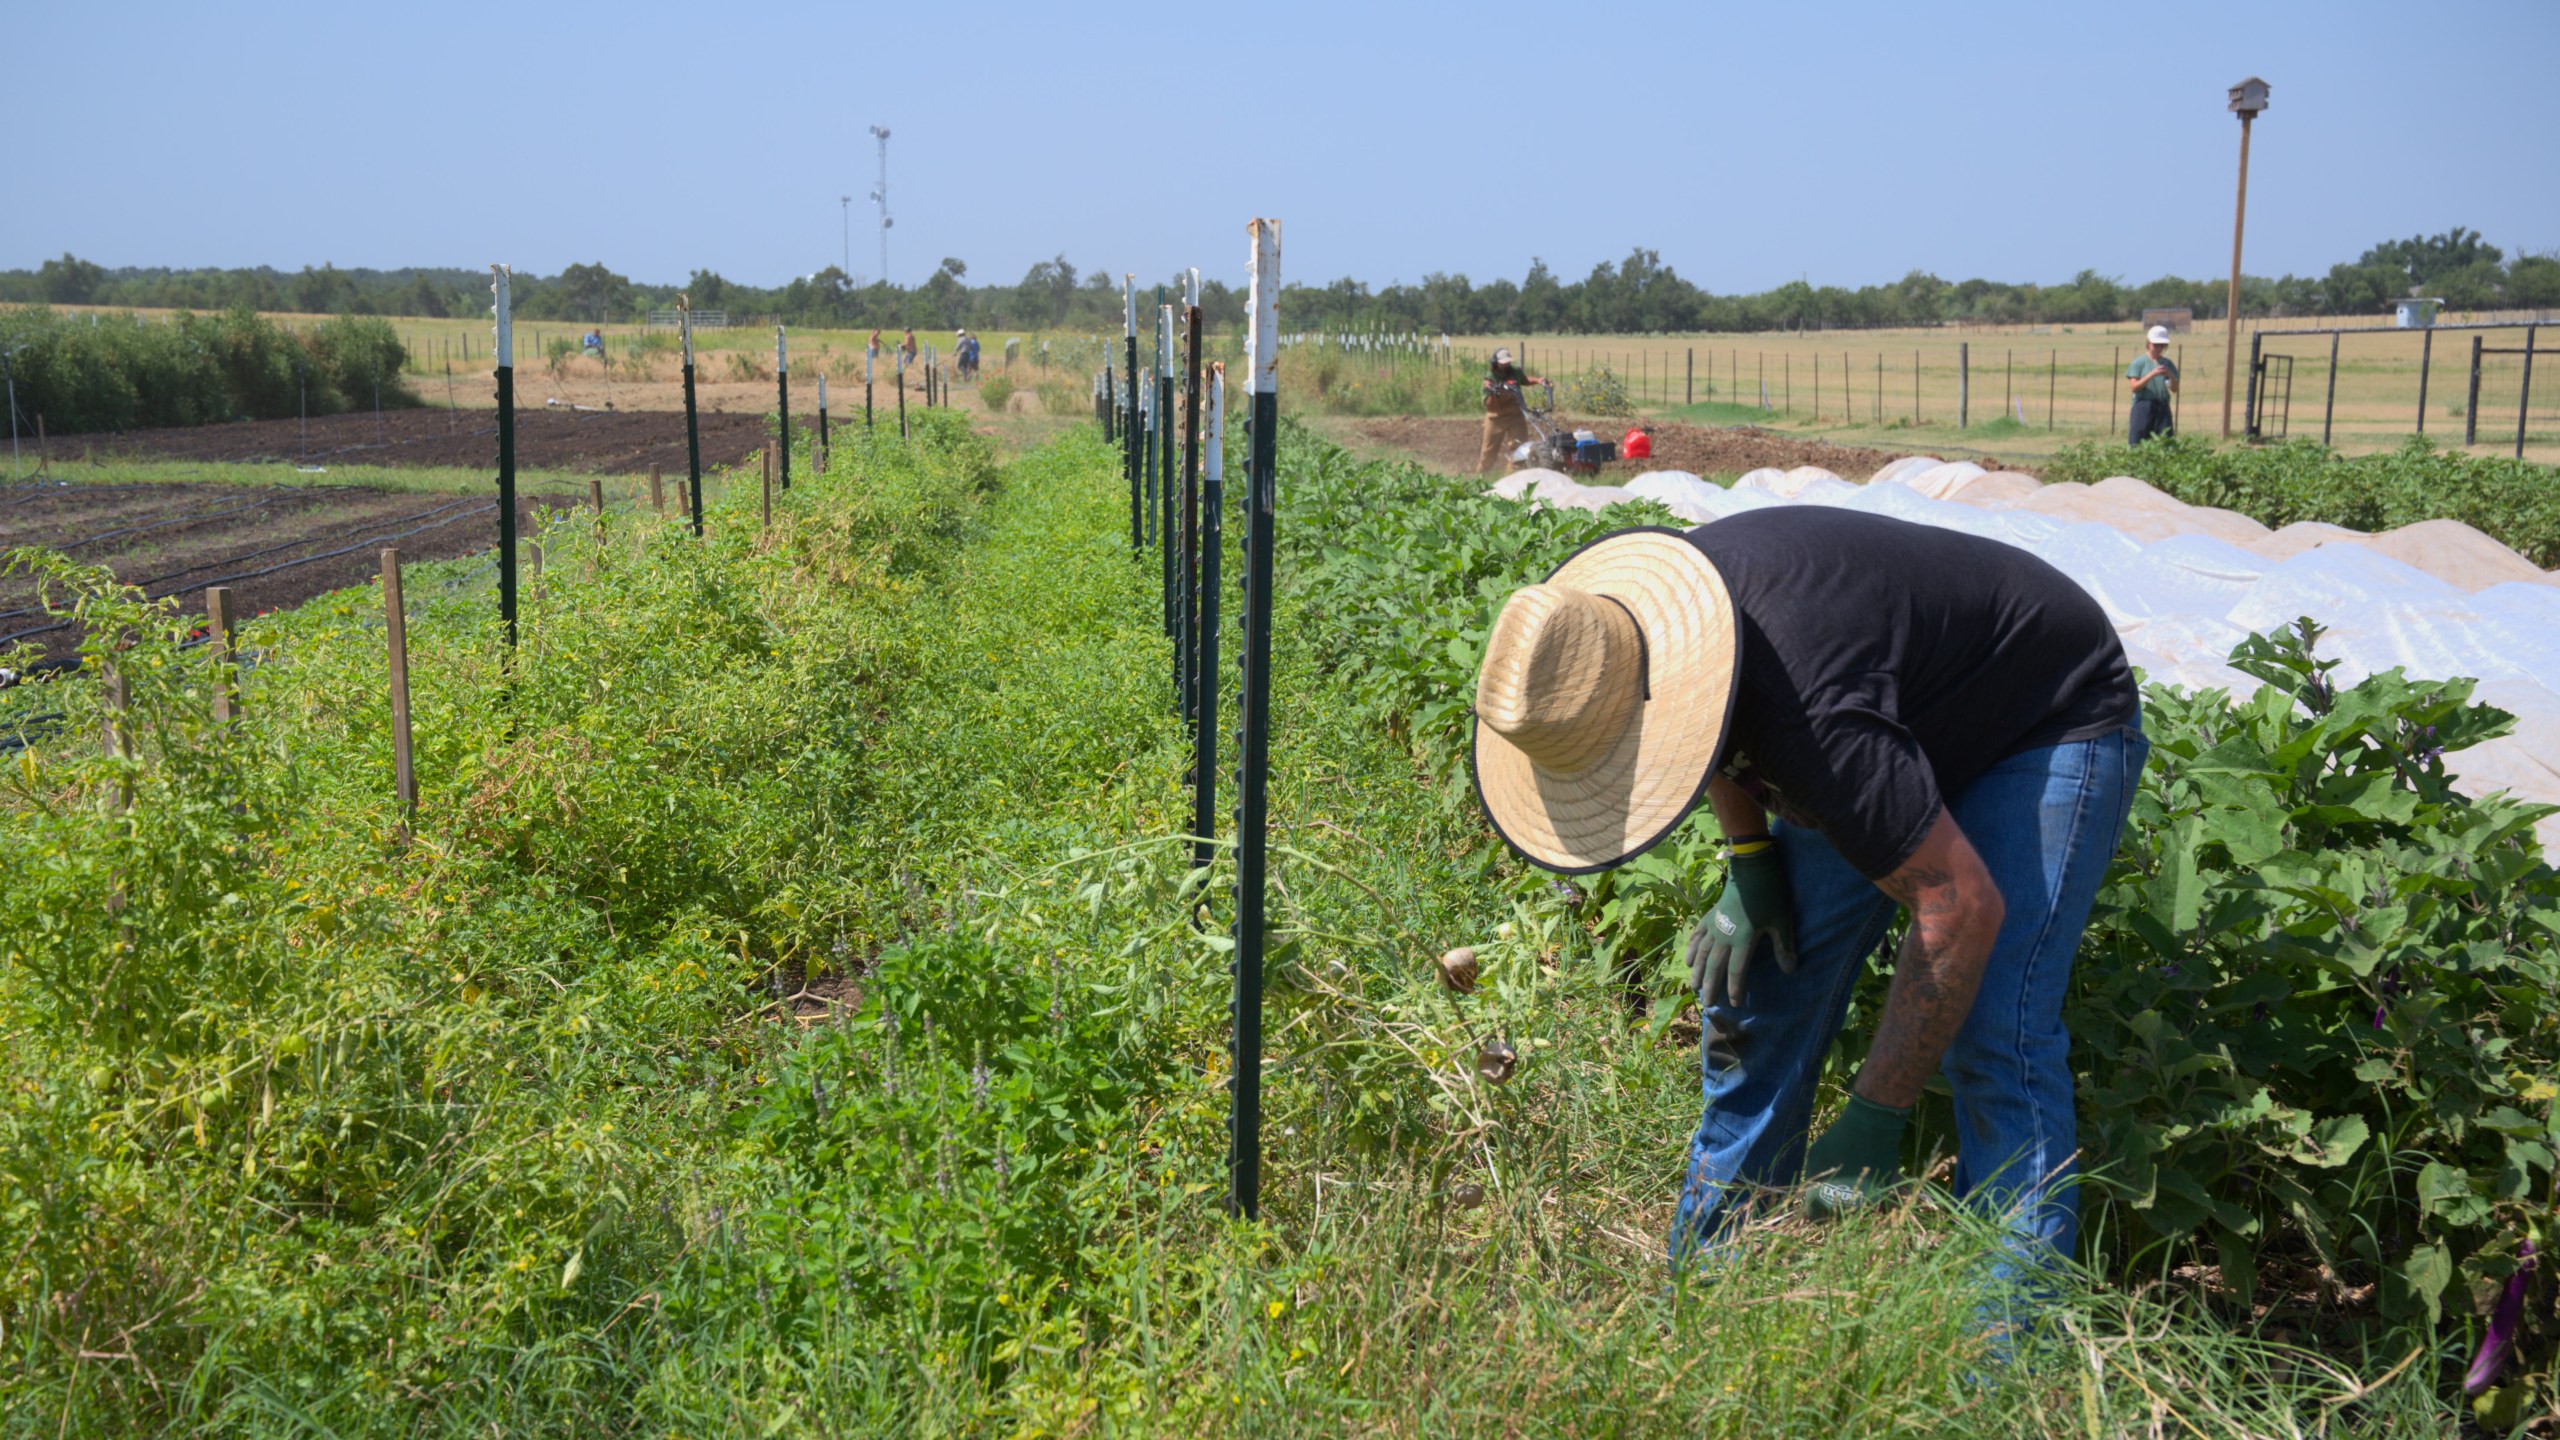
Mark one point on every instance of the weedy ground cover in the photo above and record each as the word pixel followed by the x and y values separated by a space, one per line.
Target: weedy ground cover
pixel 526 1122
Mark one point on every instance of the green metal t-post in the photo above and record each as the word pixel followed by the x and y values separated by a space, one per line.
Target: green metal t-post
pixel 1204 658
pixel 505 352
pixel 1164 462
pixel 1187 568
pixel 782 378
pixel 1253 760
pixel 1129 437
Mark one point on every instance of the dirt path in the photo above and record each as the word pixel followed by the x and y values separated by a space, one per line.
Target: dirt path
pixel 1450 444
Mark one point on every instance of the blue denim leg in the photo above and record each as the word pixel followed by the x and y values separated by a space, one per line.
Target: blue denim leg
pixel 2046 822
pixel 1761 1058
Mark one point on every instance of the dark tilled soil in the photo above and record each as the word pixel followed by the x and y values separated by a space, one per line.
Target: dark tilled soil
pixel 1451 444
pixel 175 539
pixel 625 442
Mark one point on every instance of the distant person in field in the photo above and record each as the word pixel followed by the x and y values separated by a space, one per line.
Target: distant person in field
pixel 2153 378
pixel 1505 427
pixel 907 351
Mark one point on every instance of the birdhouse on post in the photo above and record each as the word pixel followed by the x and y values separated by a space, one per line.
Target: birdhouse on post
pixel 2249 97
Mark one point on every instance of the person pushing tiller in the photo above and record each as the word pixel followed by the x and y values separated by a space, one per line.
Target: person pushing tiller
pixel 1505 426
pixel 1881 716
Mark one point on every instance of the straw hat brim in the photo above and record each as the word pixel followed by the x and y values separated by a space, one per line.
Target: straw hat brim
pixel 1616 808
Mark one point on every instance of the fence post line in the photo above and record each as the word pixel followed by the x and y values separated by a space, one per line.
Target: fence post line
pixel 226 652
pixel 2426 361
pixel 1188 600
pixel 1964 384
pixel 395 619
pixel 692 422
pixel 2329 406
pixel 500 278
pixel 2470 403
pixel 2524 394
pixel 819 461
pixel 1253 764
pixel 902 392
pixel 782 380
pixel 869 354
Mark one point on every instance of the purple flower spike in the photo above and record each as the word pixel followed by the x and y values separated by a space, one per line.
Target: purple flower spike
pixel 2378 1012
pixel 2501 1339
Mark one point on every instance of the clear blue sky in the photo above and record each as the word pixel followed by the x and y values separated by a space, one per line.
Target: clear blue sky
pixel 1750 144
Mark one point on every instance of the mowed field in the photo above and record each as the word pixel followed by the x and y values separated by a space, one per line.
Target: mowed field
pixel 1900 388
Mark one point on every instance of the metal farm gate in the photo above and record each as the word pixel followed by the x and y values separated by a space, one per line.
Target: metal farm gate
pixel 2270 396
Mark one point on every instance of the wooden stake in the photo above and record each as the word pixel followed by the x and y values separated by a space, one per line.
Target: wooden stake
pixel 595 495
pixel 404 775
pixel 217 616
pixel 657 490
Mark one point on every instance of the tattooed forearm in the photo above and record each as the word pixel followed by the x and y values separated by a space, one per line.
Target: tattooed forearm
pixel 1934 980
pixel 1955 915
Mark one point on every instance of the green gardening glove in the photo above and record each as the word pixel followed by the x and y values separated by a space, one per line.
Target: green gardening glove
pixel 1755 905
pixel 1856 1163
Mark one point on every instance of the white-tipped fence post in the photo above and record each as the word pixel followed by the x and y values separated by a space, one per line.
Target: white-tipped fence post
pixel 1163 508
pixel 1253 764
pixel 1129 439
pixel 1204 659
pixel 782 379
pixel 692 422
pixel 500 277
pixel 1187 566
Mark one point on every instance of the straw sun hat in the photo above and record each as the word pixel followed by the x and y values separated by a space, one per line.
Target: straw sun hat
pixel 1602 704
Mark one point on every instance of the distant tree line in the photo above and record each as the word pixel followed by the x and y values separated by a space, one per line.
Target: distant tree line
pixel 1634 295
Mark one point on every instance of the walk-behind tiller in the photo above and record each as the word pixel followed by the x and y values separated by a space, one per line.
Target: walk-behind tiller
pixel 1574 452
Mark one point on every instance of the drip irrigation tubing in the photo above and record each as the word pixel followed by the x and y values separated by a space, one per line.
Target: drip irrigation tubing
pixel 150 580
pixel 186 519
pixel 286 545
pixel 271 569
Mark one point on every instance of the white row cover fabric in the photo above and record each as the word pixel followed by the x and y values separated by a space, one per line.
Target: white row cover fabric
pixel 2183 583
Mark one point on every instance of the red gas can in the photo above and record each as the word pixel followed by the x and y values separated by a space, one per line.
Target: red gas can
pixel 1637 446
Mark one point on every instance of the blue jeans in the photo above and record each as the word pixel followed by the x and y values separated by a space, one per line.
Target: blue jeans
pixel 2046 823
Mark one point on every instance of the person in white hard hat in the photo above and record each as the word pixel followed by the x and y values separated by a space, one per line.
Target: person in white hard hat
pixel 1504 424
pixel 2153 378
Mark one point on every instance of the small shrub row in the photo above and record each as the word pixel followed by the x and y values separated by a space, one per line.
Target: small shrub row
pixel 93 372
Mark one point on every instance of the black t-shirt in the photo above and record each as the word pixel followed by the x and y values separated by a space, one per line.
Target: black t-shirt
pixel 1886 665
